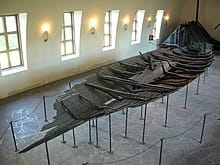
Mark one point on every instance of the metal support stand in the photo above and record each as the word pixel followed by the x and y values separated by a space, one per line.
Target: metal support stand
pixel 161 150
pixel 123 112
pixel 74 139
pixel 162 100
pixel 45 109
pixel 167 106
pixel 97 135
pixel 48 158
pixel 145 117
pixel 197 89
pixel 141 118
pixel 63 140
pixel 203 127
pixel 90 133
pixel 93 123
pixel 13 135
pixel 70 86
pixel 186 96
pixel 126 124
pixel 110 134
pixel 204 75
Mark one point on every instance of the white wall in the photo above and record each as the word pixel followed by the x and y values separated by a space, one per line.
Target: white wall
pixel 209 14
pixel 44 61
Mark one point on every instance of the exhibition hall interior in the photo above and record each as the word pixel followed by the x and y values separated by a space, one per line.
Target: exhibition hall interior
pixel 110 82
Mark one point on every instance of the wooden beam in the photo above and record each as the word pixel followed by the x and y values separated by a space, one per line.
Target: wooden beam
pixel 124 95
pixel 132 82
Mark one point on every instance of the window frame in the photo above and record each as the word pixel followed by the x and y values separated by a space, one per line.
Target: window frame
pixel 8 50
pixel 109 23
pixel 64 41
pixel 134 27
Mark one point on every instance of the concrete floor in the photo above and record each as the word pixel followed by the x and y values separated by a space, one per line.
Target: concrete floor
pixel 184 149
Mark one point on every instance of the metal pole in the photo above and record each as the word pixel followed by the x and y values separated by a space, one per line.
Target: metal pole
pixel 48 158
pixel 97 137
pixel 93 123
pixel 63 140
pixel 70 86
pixel 167 105
pixel 141 118
pixel 13 135
pixel 110 134
pixel 161 150
pixel 126 123
pixel 162 100
pixel 197 90
pixel 45 109
pixel 197 10
pixel 90 133
pixel 145 117
pixel 203 127
pixel 74 139
pixel 204 77
pixel 123 112
pixel 186 96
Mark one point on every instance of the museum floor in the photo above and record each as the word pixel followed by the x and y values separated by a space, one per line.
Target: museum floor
pixel 183 149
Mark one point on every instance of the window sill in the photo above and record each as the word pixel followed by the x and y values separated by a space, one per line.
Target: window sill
pixel 69 57
pixel 108 48
pixel 13 70
pixel 135 42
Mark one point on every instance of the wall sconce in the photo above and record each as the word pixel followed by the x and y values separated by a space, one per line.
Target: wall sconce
pixel 45 29
pixel 125 23
pixel 166 18
pixel 149 20
pixel 93 24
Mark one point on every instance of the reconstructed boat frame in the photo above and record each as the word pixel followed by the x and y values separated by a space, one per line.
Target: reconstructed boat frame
pixel 128 83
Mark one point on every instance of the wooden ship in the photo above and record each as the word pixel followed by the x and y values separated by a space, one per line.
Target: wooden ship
pixel 134 81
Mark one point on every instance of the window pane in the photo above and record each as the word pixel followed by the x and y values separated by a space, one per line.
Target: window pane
pixel 68 33
pixel 62 37
pixel 134 26
pixel 2 43
pixel 106 28
pixel 4 60
pixel 106 40
pixel 11 23
pixel 67 19
pixel 15 58
pixel 133 38
pixel 13 41
pixel 62 49
pixel 69 47
pixel 1 25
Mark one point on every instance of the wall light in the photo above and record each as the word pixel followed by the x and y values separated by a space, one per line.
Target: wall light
pixel 166 18
pixel 125 23
pixel 93 24
pixel 149 21
pixel 45 29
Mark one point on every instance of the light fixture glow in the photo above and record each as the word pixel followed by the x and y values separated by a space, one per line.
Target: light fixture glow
pixel 149 19
pixel 93 24
pixel 167 17
pixel 125 23
pixel 45 29
pixel 126 20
